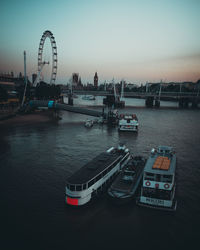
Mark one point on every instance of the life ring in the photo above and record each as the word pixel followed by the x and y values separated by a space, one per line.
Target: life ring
pixel 147 183
pixel 166 186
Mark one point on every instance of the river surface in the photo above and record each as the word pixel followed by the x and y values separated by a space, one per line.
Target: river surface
pixel 36 160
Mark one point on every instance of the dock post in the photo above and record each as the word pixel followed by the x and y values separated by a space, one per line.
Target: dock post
pixel 157 102
pixel 149 101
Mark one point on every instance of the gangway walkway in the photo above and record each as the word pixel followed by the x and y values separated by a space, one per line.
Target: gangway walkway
pixel 60 106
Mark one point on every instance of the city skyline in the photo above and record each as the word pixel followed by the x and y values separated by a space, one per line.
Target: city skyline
pixel 137 41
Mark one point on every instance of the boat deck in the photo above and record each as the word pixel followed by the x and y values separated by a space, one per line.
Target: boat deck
pixel 94 167
pixel 122 185
pixel 158 164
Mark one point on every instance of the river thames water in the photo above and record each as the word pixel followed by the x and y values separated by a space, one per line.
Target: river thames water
pixel 36 160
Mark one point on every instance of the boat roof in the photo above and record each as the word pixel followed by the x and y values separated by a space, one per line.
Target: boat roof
pixel 161 162
pixel 91 169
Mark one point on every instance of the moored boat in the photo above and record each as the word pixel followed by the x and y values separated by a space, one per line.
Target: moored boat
pixel 89 123
pixel 128 122
pixel 89 97
pixel 159 180
pixel 124 187
pixel 94 177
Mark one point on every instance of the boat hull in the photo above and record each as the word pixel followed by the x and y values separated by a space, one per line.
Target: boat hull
pixel 172 208
pixel 122 195
pixel 121 200
pixel 107 165
pixel 122 128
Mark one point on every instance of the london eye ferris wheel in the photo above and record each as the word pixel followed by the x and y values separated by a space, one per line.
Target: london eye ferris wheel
pixel 41 63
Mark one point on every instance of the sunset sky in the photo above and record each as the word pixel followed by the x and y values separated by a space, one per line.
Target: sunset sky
pixel 137 40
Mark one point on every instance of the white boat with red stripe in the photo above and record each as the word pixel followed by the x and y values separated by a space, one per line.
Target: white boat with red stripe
pixel 94 177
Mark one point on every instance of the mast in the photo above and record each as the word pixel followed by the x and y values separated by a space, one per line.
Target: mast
pixel 160 89
pixel 122 91
pixel 25 80
pixel 115 94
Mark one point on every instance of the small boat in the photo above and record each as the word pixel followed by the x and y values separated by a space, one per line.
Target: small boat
pixel 159 180
pixel 128 122
pixel 89 123
pixel 74 96
pixel 88 97
pixel 124 188
pixel 94 177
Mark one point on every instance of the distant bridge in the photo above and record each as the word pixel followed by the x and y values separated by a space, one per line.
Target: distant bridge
pixel 142 95
pixel 153 98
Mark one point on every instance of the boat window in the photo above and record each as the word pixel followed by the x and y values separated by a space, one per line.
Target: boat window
pixel 72 187
pixel 167 178
pixel 120 159
pixel 98 177
pixel 90 183
pixel 149 176
pixel 78 187
pixel 104 173
pixel 84 186
pixel 107 170
pixel 158 177
pixel 110 168
pixel 157 193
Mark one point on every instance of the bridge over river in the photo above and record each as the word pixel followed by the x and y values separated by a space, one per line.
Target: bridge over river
pixel 184 98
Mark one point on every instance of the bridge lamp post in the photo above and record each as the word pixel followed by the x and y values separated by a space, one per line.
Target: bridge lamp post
pixel 180 87
pixel 160 90
pixel 147 87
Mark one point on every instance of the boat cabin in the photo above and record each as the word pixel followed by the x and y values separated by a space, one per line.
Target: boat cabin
pixel 89 180
pixel 94 170
pixel 160 168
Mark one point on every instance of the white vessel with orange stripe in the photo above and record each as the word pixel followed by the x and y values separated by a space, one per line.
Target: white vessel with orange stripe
pixel 158 189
